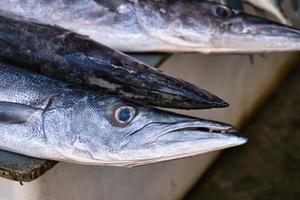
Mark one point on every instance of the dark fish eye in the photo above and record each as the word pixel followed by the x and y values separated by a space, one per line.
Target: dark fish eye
pixel 123 115
pixel 222 11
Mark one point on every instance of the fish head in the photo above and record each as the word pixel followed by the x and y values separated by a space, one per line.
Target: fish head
pixel 239 32
pixel 208 27
pixel 118 133
pixel 155 135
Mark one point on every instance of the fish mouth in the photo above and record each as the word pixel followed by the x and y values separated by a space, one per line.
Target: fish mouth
pixel 252 34
pixel 260 26
pixel 207 130
pixel 179 140
pixel 192 130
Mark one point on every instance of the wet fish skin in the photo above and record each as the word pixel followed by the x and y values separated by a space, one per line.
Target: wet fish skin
pixel 71 57
pixel 143 26
pixel 58 121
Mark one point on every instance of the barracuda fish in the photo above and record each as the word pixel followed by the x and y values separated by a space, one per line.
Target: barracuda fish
pixel 162 25
pixel 46 118
pixel 273 7
pixel 71 57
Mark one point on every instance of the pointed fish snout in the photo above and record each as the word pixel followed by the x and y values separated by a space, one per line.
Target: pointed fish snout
pixel 199 99
pixel 163 90
pixel 260 27
pixel 282 31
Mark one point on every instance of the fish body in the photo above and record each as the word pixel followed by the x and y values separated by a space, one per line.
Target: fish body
pixel 68 56
pixel 273 7
pixel 163 25
pixel 45 118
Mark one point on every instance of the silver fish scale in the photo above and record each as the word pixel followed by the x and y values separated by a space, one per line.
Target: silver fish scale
pixel 28 137
pixel 27 90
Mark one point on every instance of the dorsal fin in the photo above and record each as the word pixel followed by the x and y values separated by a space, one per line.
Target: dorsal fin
pixel 15 113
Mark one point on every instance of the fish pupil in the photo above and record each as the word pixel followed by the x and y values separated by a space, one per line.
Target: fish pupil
pixel 222 12
pixel 124 115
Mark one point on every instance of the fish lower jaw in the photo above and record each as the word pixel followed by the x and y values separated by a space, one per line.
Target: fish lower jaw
pixel 184 155
pixel 71 157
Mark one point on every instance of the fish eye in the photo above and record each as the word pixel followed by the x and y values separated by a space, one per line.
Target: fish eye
pixel 222 11
pixel 123 115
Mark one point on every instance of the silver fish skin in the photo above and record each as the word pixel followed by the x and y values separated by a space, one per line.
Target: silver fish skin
pixel 45 118
pixel 68 56
pixel 163 25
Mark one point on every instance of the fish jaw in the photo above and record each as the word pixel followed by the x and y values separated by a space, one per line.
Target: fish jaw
pixel 179 140
pixel 154 147
pixel 158 142
pixel 244 33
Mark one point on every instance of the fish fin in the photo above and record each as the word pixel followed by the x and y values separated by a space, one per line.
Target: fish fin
pixel 15 113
